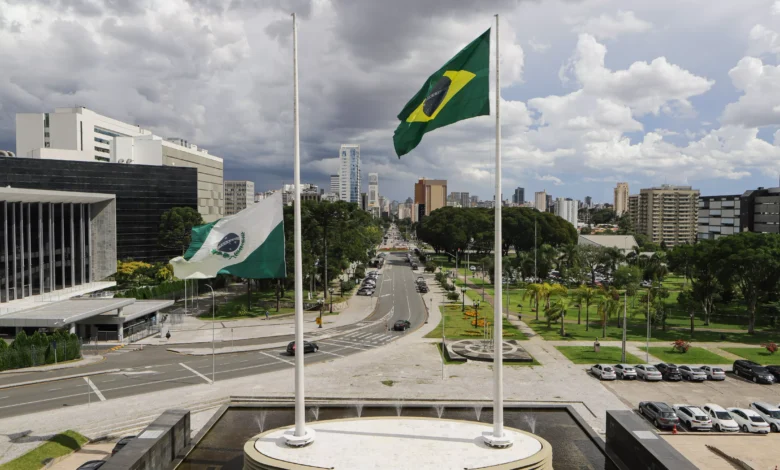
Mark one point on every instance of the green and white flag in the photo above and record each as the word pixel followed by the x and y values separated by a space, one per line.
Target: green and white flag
pixel 249 244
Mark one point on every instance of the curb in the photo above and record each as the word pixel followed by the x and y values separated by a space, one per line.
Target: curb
pixel 56 379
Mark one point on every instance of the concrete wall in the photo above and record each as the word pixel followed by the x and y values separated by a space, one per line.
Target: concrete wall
pixel 157 446
pixel 29 133
pixel 632 444
pixel 103 248
pixel 211 204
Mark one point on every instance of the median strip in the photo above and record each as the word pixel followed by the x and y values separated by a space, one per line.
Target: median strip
pixel 55 379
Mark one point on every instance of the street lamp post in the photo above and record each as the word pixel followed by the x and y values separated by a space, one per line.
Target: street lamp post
pixel 476 313
pixel 463 293
pixel 331 299
pixel 322 303
pixel 213 353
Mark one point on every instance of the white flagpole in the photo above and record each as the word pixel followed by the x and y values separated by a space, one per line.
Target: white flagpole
pixel 498 438
pixel 301 436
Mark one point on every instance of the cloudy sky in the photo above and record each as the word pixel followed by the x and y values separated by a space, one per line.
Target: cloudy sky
pixel 593 92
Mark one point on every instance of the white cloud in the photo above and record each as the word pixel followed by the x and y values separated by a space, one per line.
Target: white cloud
pixel 538 46
pixel 611 26
pixel 776 7
pixel 553 179
pixel 759 104
pixel 763 40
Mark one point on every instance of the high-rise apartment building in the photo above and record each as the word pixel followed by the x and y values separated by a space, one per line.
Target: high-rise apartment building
pixel 238 196
pixel 540 201
pixel 621 199
pixel 519 196
pixel 335 187
pixel 667 214
pixel 364 201
pixel 588 201
pixel 567 210
pixel 430 195
pixel 755 210
pixel 373 194
pixel 454 197
pixel 633 210
pixel 80 134
pixel 474 201
pixel 309 192
pixel 349 175
pixel 465 200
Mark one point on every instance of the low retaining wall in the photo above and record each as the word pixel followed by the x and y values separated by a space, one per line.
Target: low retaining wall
pixel 157 446
pixel 632 444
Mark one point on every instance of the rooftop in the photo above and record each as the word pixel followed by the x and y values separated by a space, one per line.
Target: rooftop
pixel 41 195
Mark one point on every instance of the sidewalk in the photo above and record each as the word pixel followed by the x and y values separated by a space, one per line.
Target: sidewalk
pixel 87 360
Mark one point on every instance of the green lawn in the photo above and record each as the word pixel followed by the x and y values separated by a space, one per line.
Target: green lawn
pixel 693 356
pixel 607 355
pixel 759 355
pixel 59 445
pixel 458 326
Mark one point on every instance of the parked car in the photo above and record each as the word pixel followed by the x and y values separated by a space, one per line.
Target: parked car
pixel 721 419
pixel 693 417
pixel 603 372
pixel 669 372
pixel 774 370
pixel 420 280
pixel 647 372
pixel 659 413
pixel 646 284
pixel 92 465
pixel 401 325
pixel 414 266
pixel 367 291
pixel 423 289
pixel 692 373
pixel 714 373
pixel 770 413
pixel 369 282
pixel 121 443
pixel 753 371
pixel 625 372
pixel 749 421
pixel 307 347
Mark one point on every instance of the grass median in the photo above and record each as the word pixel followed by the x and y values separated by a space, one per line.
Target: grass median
pixel 457 325
pixel 759 355
pixel 693 356
pixel 606 355
pixel 56 446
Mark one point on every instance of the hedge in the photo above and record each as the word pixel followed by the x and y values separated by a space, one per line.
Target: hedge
pixel 155 292
pixel 38 349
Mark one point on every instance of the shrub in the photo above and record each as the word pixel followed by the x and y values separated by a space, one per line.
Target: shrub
pixel 453 296
pixel 681 345
pixel 430 267
pixel 771 347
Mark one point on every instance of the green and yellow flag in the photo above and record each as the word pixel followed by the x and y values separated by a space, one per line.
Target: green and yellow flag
pixel 457 91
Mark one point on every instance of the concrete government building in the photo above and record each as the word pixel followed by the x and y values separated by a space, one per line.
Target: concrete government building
pixel 79 134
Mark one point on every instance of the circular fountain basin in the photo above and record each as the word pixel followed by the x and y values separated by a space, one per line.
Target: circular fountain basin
pixel 395 443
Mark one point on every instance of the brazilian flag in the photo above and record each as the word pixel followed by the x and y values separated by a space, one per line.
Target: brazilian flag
pixel 457 91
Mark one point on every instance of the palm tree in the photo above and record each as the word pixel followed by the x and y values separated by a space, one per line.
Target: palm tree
pixel 557 310
pixel 568 258
pixel 548 291
pixel 532 292
pixel 608 306
pixel 589 296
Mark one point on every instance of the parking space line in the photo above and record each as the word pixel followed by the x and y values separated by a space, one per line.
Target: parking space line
pixel 277 358
pixel 95 389
pixel 208 380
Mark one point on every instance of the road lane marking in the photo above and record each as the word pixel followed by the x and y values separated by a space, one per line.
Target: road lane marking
pixel 4 397
pixel 352 347
pixel 332 354
pixel 53 389
pixel 276 357
pixel 95 389
pixel 208 380
pixel 107 381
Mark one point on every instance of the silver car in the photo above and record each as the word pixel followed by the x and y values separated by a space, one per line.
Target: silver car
pixel 692 373
pixel 625 372
pixel 648 372
pixel 603 372
pixel 714 373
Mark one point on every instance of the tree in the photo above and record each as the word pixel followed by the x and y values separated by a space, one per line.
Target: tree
pixel 628 278
pixel 591 256
pixel 176 228
pixel 680 260
pixel 532 292
pixel 688 303
pixel 557 311
pixel 703 267
pixel 608 306
pixel 625 226
pixel 751 261
pixel 589 296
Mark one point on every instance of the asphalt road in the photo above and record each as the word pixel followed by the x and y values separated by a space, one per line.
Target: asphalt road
pixel 156 369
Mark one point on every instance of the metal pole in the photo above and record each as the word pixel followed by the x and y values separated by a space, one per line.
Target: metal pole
pixel 5 250
pixel 13 242
pixel 647 342
pixel 301 435
pixel 213 318
pixel 498 439
pixel 21 240
pixel 625 307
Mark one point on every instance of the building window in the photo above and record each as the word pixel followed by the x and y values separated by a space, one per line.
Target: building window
pixel 46 144
pixel 99 149
pixel 106 132
pixel 102 159
pixel 102 141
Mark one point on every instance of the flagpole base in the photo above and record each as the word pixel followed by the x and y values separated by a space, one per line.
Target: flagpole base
pixel 497 442
pixel 299 441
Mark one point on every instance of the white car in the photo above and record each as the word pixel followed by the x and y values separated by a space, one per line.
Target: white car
pixel 721 419
pixel 714 373
pixel 648 372
pixel 771 414
pixel 693 417
pixel 625 372
pixel 603 371
pixel 692 373
pixel 749 421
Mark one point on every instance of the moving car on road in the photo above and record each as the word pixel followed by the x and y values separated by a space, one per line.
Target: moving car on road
pixel 307 347
pixel 749 421
pixel 692 373
pixel 753 371
pixel 401 325
pixel 693 417
pixel 121 443
pixel 603 372
pixel 770 413
pixel 669 372
pixel 625 372
pixel 647 372
pixel 659 413
pixel 721 419
pixel 714 373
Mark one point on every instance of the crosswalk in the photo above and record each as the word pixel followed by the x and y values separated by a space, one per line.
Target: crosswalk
pixel 371 337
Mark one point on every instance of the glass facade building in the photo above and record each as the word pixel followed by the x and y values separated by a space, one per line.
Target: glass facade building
pixel 143 194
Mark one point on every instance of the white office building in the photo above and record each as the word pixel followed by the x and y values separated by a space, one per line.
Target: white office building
pixel 80 134
pixel 540 201
pixel 567 209
pixel 349 174
pixel 238 196
pixel 335 187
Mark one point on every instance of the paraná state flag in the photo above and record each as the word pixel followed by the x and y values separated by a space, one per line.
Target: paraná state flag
pixel 457 91
pixel 249 244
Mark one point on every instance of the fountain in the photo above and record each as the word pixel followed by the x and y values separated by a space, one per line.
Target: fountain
pixel 531 421
pixel 315 410
pixel 261 420
pixel 439 410
pixel 478 411
pixel 359 408
pixel 398 407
